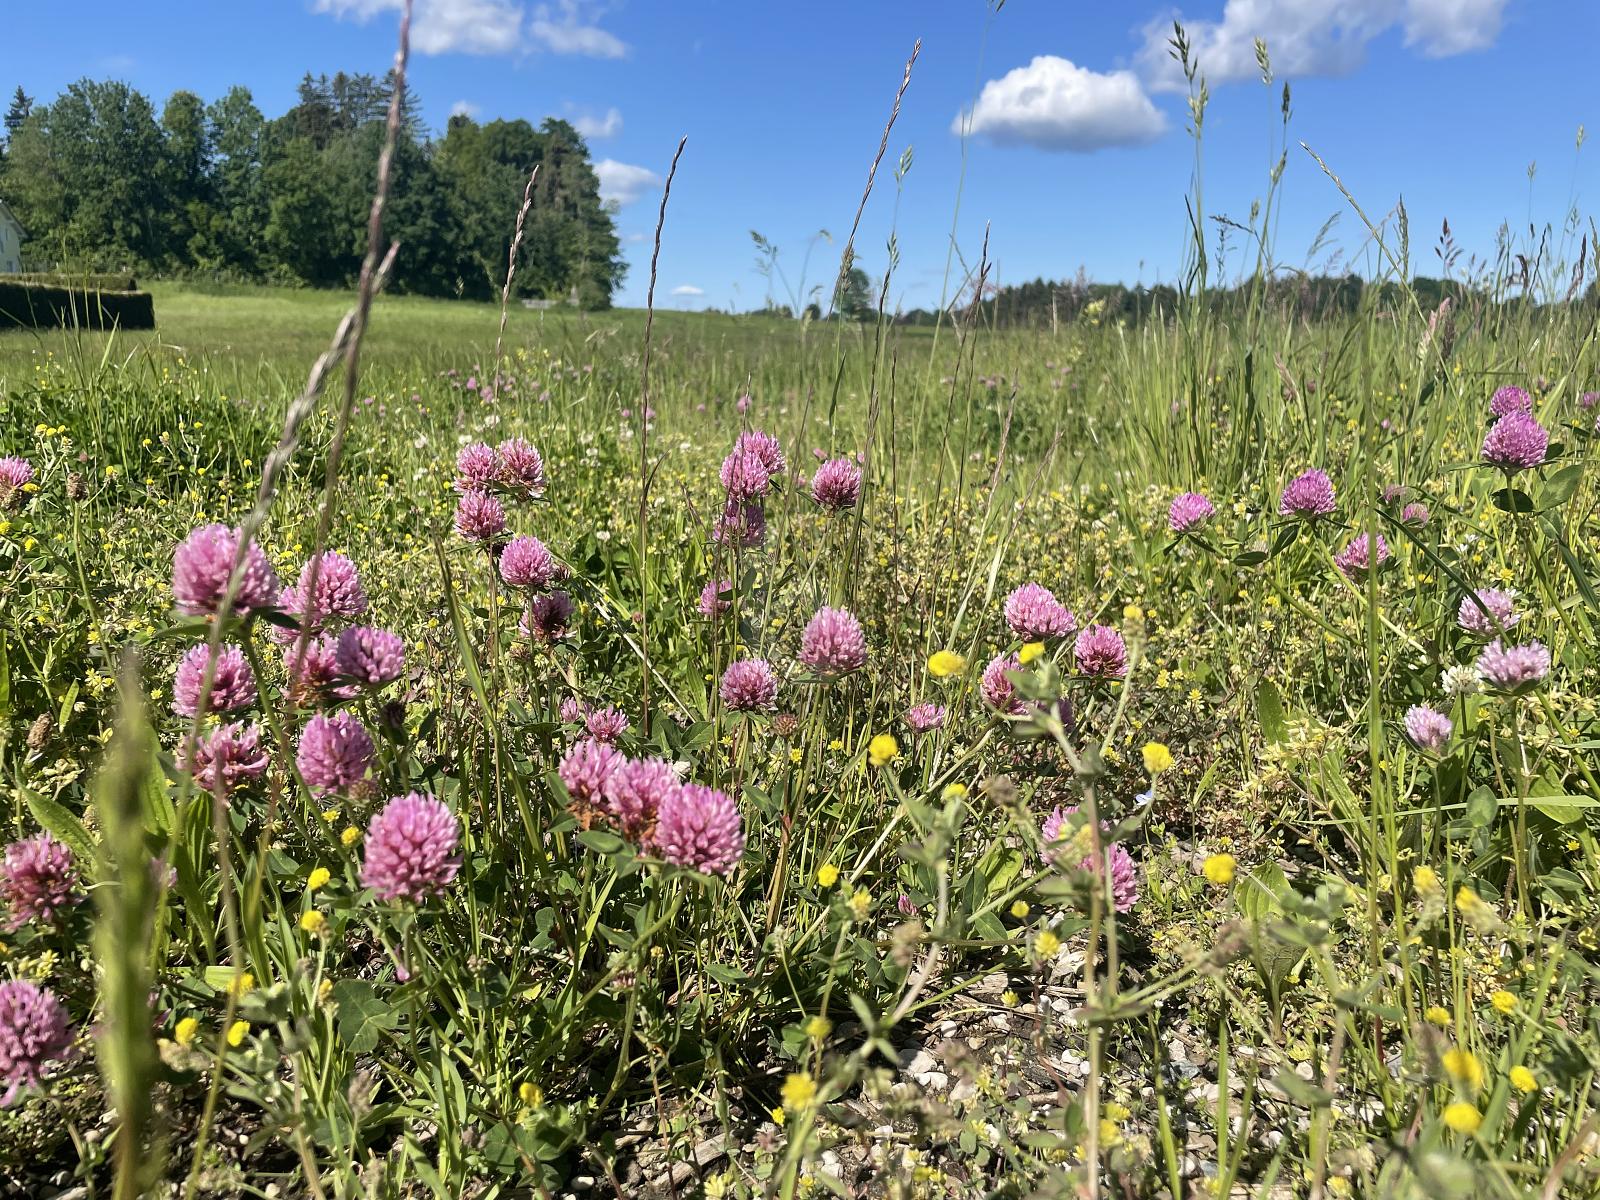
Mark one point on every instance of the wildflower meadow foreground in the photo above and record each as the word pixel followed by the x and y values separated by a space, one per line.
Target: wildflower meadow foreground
pixel 662 754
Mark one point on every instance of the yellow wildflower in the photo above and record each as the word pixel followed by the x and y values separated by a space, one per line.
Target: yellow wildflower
pixel 531 1094
pixel 818 1028
pixel 1503 1001
pixel 1425 880
pixel 944 663
pixel 827 875
pixel 799 1090
pixel 1047 944
pixel 1019 909
pixel 1157 758
pixel 1462 1117
pixel 1463 1067
pixel 1029 652
pixel 350 836
pixel 313 922
pixel 1220 869
pixel 883 750
pixel 236 1032
pixel 1522 1079
pixel 183 1033
pixel 1437 1015
pixel 318 878
pixel 861 904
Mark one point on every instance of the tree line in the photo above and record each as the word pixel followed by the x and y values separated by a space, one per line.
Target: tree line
pixel 101 181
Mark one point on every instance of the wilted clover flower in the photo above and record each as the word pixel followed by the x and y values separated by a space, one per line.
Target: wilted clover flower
pixel 1035 615
pixel 38 880
pixel 924 718
pixel 606 724
pixel 1488 612
pixel 547 618
pixel 1510 399
pixel 225 758
pixel 1356 558
pixel 522 470
pixel 837 484
pixel 1460 680
pixel 833 643
pixel 750 685
pixel 202 564
pixel 1588 400
pixel 996 688
pixel 315 677
pixel 480 517
pixel 339 594
pixel 712 603
pixel 634 794
pixel 34 1031
pixel 478 468
pixel 336 753
pixel 1309 497
pixel 370 657
pixel 1428 728
pixel 586 768
pixel 699 827
pixel 1513 669
pixel 765 447
pixel 1515 443
pixel 1189 512
pixel 527 563
pixel 1101 653
pixel 15 475
pixel 744 476
pixel 233 683
pixel 740 525
pixel 411 849
pixel 1415 515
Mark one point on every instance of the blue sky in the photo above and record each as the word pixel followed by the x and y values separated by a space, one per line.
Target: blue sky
pixel 1077 154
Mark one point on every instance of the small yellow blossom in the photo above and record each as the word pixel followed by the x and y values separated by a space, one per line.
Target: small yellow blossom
pixel 1503 1001
pixel 1220 869
pixel 1437 1015
pixel 241 983
pixel 777 1116
pixel 827 875
pixel 1029 652
pixel 1047 944
pixel 861 904
pixel 799 1090
pixel 1010 998
pixel 313 922
pixel 1425 880
pixel 318 878
pixel 1463 1067
pixel 1157 758
pixel 953 791
pixel 1523 1080
pixel 1020 909
pixel 236 1032
pixel 531 1094
pixel 1462 1117
pixel 183 1033
pixel 818 1028
pixel 945 663
pixel 350 836
pixel 883 750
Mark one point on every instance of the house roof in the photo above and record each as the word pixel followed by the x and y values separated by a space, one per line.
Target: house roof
pixel 7 212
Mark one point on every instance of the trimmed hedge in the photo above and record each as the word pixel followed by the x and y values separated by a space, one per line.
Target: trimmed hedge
pixel 29 305
pixel 72 279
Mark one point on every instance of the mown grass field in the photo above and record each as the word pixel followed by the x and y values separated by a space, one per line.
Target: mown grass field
pixel 1279 937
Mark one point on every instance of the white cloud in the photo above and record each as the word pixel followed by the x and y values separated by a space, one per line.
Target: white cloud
pixel 1315 37
pixel 1441 28
pixel 594 128
pixel 443 26
pixel 464 108
pixel 624 182
pixel 566 29
pixel 688 289
pixel 1056 105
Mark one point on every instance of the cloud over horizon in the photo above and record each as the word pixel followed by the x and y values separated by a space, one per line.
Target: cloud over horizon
pixel 1054 104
